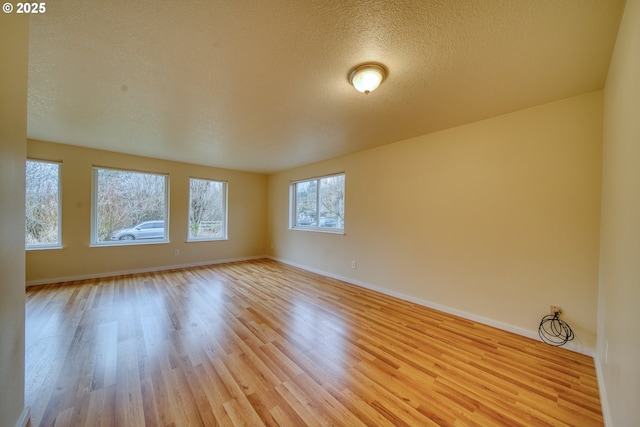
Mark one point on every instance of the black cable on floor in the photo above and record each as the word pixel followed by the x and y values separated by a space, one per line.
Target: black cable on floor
pixel 555 331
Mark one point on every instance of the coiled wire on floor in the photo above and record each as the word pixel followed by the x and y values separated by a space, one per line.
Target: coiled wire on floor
pixel 555 331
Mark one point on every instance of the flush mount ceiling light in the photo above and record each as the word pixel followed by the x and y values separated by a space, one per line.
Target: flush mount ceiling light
pixel 367 77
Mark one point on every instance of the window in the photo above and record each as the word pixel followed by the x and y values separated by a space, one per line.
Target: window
pixel 129 207
pixel 318 204
pixel 42 205
pixel 207 209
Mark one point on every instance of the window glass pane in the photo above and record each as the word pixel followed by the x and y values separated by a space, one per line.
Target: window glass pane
pixel 306 203
pixel 42 204
pixel 130 207
pixel 332 202
pixel 318 204
pixel 207 209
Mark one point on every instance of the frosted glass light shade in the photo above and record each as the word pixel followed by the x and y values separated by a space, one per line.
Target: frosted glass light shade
pixel 366 78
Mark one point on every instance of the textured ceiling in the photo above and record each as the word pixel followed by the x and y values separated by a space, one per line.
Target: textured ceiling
pixel 262 85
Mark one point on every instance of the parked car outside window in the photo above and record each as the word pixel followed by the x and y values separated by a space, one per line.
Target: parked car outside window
pixel 328 222
pixel 144 230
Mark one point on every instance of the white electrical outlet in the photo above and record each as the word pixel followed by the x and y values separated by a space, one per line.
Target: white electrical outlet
pixel 354 264
pixel 176 252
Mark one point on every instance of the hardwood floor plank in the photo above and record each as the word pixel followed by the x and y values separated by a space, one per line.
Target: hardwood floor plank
pixel 260 343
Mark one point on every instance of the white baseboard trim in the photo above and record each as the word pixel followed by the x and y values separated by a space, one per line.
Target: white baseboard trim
pixel 604 400
pixel 533 334
pixel 139 270
pixel 24 417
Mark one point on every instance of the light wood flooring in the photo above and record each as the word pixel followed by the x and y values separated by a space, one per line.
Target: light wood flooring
pixel 263 343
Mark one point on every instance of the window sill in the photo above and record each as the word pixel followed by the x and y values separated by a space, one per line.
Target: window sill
pixel 126 243
pixel 42 248
pixel 219 239
pixel 319 230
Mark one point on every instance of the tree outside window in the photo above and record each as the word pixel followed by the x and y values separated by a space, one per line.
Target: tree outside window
pixel 207 209
pixel 42 205
pixel 318 204
pixel 129 207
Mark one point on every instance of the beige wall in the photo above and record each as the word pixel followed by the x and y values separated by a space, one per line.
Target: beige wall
pixel 618 312
pixel 246 210
pixel 497 219
pixel 14 42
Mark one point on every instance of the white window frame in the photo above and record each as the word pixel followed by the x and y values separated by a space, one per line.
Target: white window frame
pixel 94 210
pixel 225 215
pixel 58 243
pixel 293 204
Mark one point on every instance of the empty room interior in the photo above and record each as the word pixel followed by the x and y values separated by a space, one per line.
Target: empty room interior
pixel 289 213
